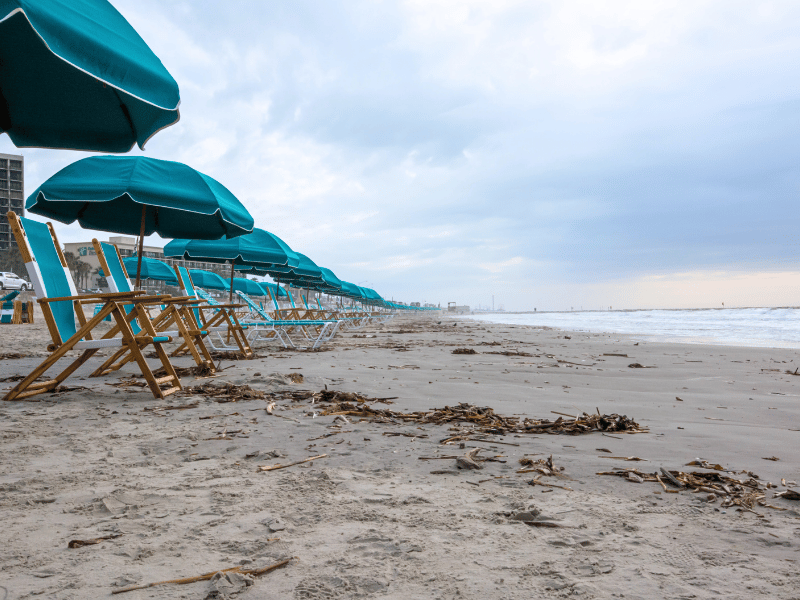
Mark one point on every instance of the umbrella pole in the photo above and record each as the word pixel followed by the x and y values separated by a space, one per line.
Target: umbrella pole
pixel 230 297
pixel 141 245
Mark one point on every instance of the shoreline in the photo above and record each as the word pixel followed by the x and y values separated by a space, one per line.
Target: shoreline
pixel 371 519
pixel 649 336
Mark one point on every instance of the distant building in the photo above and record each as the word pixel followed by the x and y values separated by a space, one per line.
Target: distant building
pixel 84 252
pixel 12 195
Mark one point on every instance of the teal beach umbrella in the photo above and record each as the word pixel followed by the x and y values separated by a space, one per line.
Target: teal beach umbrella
pixel 247 286
pixel 259 252
pixel 151 269
pixel 75 75
pixel 140 195
pixel 208 280
pixel 272 289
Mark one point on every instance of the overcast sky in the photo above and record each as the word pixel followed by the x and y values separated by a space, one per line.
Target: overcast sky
pixel 553 154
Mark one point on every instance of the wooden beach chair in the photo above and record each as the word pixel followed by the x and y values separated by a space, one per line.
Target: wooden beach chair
pixel 62 306
pixel 323 330
pixel 174 318
pixel 7 308
pixel 216 318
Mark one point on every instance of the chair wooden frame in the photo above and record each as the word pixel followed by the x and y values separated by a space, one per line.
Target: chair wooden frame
pixel 82 338
pixel 175 318
pixel 217 318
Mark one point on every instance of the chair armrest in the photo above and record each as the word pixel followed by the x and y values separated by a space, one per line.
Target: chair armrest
pixel 108 296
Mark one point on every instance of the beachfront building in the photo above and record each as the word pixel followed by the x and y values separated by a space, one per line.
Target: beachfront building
pixel 12 195
pixel 88 276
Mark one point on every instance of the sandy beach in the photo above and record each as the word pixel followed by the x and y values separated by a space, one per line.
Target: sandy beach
pixel 176 488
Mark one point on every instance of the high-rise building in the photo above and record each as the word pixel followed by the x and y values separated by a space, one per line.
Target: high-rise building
pixel 12 195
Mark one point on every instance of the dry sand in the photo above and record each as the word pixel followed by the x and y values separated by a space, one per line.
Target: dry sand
pixel 371 520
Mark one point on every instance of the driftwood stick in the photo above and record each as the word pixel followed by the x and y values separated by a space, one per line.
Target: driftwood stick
pixel 276 467
pixel 207 576
pixel 671 477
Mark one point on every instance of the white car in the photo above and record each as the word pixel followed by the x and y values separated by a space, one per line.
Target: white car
pixel 9 281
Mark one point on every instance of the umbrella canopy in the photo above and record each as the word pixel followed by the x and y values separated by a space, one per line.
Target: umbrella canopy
pixel 247 286
pixel 112 193
pixel 332 281
pixel 259 248
pixel 74 74
pixel 151 269
pixel 259 252
pixel 208 280
pixel 272 288
pixel 351 290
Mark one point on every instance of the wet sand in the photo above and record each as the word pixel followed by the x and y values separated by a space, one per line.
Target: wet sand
pixel 182 491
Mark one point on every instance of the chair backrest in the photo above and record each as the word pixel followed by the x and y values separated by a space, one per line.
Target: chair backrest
pixel 115 272
pixel 10 297
pixel 253 306
pixel 48 272
pixel 274 296
pixel 111 263
pixel 187 287
pixel 204 295
pixel 304 300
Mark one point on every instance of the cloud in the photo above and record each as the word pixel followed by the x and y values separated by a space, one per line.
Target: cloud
pixel 450 150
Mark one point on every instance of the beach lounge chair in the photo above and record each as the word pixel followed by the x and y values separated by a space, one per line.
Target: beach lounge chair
pixel 218 319
pixel 62 306
pixel 7 307
pixel 174 319
pixel 323 330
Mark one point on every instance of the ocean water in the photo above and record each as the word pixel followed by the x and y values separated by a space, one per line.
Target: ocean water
pixel 761 327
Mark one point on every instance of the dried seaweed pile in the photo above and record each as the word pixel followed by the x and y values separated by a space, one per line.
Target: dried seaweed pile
pixel 543 466
pixel 744 493
pixel 224 392
pixel 14 356
pixel 511 353
pixel 463 351
pixel 347 397
pixel 484 420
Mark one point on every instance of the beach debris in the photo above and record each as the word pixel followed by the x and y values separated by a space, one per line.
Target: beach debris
pixel 223 392
pixel 678 398
pixel 467 461
pixel 699 462
pixel 638 366
pixel 436 457
pixel 463 351
pixel 345 397
pixel 14 355
pixel 175 407
pixel 773 458
pixel 628 458
pixel 93 541
pixel 485 420
pixel 208 576
pixel 788 495
pixel 511 353
pixel 295 377
pixel 279 466
pixel 615 354
pixel 536 481
pixel 744 493
pixel 231 355
pixel 603 450
pixel 543 466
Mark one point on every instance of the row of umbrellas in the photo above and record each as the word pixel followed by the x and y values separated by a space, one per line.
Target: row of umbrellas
pixel 138 195
pixel 77 75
